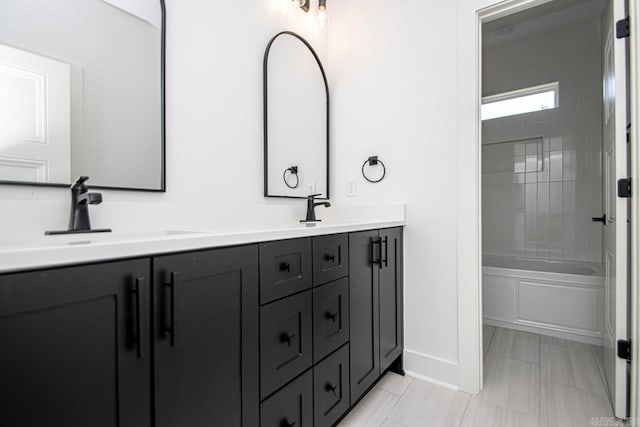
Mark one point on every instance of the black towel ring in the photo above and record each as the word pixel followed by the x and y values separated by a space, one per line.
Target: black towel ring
pixel 373 161
pixel 294 172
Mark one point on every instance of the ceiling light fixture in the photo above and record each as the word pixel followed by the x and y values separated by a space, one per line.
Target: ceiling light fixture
pixel 302 4
pixel 322 13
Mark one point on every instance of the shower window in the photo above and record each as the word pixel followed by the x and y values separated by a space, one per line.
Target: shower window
pixel 528 100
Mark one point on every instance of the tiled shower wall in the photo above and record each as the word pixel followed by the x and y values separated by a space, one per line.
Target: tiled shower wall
pixel 539 194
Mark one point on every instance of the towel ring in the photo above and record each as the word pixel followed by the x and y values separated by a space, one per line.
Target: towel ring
pixel 373 161
pixel 294 172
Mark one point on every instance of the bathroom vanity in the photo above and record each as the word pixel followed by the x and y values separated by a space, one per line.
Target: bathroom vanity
pixel 285 328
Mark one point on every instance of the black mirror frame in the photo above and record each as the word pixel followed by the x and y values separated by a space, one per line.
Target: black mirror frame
pixel 163 156
pixel 265 110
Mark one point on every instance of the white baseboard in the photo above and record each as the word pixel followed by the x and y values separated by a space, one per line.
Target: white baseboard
pixel 545 331
pixel 432 369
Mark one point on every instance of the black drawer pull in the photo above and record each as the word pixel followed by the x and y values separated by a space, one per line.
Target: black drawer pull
pixel 285 423
pixel 331 315
pixel 331 387
pixel 330 257
pixel 374 242
pixel 288 338
pixel 170 318
pixel 136 339
pixel 602 219
pixel 386 252
pixel 285 266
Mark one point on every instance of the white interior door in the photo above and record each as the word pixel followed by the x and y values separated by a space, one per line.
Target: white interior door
pixel 615 234
pixel 35 118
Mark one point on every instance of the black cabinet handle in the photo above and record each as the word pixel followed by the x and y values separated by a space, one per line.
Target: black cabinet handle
pixel 386 251
pixel 602 219
pixel 286 337
pixel 285 423
pixel 330 257
pixel 170 318
pixel 331 315
pixel 285 266
pixel 375 242
pixel 331 387
pixel 136 338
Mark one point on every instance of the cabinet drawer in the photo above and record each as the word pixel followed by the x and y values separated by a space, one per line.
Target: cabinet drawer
pixel 331 388
pixel 286 342
pixel 285 268
pixel 330 258
pixel 330 317
pixel 291 406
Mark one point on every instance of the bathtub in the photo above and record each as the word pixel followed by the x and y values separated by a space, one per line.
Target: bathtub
pixel 558 298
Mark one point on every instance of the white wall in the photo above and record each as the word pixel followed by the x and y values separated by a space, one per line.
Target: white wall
pixel 392 72
pixel 546 214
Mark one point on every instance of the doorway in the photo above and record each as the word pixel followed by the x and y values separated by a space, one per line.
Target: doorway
pixel 554 231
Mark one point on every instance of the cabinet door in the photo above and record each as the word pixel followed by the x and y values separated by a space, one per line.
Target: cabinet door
pixel 292 406
pixel 364 311
pixel 330 317
pixel 286 341
pixel 285 268
pixel 206 338
pixel 330 258
pixel 391 297
pixel 331 388
pixel 75 346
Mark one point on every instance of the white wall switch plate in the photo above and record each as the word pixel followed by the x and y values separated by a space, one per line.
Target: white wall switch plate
pixel 352 188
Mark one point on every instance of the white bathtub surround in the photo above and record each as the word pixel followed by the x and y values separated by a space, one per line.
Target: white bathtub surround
pixel 538 198
pixel 561 299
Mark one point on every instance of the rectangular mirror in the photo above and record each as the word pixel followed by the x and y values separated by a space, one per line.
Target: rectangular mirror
pixel 82 84
pixel 296 119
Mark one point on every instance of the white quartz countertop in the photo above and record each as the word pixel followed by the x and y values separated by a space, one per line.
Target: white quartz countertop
pixel 30 253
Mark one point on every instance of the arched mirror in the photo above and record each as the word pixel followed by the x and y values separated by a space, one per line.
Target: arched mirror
pixel 296 119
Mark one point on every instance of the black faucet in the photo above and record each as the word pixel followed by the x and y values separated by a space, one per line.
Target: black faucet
pixel 80 200
pixel 311 208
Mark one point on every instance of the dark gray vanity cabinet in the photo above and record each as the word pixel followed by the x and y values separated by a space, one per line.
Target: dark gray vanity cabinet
pixel 75 346
pixel 375 285
pixel 285 333
pixel 391 295
pixel 206 338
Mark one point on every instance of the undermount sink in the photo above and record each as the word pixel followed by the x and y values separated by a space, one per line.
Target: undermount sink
pixel 89 238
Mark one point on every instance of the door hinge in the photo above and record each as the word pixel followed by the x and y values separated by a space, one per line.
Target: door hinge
pixel 622 28
pixel 624 349
pixel 624 188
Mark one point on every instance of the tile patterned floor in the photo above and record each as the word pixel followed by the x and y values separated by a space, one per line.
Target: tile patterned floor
pixel 530 381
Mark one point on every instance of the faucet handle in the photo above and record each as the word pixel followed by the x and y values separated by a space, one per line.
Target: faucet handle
pixel 313 196
pixel 95 198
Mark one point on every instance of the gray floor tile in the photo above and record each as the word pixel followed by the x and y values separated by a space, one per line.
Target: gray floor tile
pixel 426 404
pixel 481 413
pixel 564 406
pixel 395 383
pixel 511 383
pixel 372 410
pixel 571 366
pixel 514 344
